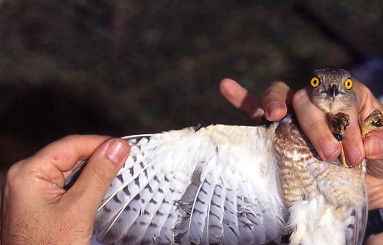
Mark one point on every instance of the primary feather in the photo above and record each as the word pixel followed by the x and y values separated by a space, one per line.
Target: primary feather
pixel 222 185
pixel 237 184
pixel 198 187
pixel 206 186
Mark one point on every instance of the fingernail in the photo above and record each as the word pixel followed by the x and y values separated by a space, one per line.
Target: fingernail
pixel 373 146
pixel 329 150
pixel 354 155
pixel 272 108
pixel 117 151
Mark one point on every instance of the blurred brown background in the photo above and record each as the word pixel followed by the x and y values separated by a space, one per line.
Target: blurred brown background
pixel 121 67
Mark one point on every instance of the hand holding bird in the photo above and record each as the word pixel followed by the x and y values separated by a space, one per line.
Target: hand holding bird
pixel 221 183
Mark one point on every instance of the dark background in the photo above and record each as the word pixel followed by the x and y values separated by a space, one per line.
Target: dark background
pixel 121 67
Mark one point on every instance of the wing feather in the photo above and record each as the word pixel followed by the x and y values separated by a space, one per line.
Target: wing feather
pixel 161 214
pixel 166 234
pixel 141 224
pixel 230 218
pixel 222 188
pixel 216 213
pixel 200 211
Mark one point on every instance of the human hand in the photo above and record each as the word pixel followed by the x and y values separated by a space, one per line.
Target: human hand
pixel 37 210
pixel 375 239
pixel 274 104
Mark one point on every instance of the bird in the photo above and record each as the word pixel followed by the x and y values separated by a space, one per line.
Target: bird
pixel 233 184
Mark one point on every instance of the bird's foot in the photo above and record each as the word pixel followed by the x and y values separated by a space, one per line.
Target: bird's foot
pixel 373 122
pixel 338 124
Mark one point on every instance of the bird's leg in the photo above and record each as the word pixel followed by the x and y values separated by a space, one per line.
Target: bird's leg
pixel 338 124
pixel 373 122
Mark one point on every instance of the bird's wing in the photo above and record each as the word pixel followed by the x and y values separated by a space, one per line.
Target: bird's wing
pixel 357 226
pixel 217 184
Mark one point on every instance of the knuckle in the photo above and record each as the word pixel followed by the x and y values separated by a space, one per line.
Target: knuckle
pixel 300 97
pixel 279 84
pixel 274 88
pixel 13 173
pixel 268 92
pixel 376 158
pixel 71 137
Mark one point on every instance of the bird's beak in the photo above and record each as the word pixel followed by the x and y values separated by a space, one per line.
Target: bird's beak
pixel 333 90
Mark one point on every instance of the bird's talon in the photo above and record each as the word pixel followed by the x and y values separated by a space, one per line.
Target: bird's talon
pixel 338 137
pixel 373 122
pixel 338 124
pixel 378 123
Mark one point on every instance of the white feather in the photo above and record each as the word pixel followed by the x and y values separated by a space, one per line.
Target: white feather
pixel 224 188
pixel 315 223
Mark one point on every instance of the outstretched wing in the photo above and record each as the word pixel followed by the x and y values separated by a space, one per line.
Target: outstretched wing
pixel 217 184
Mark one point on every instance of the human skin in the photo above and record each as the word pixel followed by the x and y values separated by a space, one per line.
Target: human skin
pixel 375 239
pixel 274 104
pixel 37 210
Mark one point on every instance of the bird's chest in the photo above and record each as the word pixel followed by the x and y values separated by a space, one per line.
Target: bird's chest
pixel 304 176
pixel 333 105
pixel 293 155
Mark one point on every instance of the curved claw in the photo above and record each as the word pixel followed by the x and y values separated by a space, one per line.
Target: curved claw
pixel 373 122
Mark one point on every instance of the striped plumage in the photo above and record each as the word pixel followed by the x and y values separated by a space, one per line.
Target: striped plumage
pixel 199 186
pixel 233 185
pixel 206 186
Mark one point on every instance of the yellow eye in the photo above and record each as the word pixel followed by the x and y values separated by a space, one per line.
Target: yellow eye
pixel 348 84
pixel 315 82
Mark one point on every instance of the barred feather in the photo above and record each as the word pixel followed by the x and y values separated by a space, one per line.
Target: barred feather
pixel 219 185
pixel 216 214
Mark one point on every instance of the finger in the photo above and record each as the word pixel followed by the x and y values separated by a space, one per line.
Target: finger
pixel 374 239
pixel 373 145
pixel 51 162
pixel 374 191
pixel 352 140
pixel 367 102
pixel 274 101
pixel 375 168
pixel 374 184
pixel 66 152
pixel 313 123
pixel 375 197
pixel 241 99
pixel 98 174
pixel 375 202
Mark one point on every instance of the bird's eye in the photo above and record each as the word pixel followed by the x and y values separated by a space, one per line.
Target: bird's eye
pixel 348 84
pixel 315 82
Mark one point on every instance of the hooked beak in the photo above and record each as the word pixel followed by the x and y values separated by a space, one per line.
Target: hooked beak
pixel 333 90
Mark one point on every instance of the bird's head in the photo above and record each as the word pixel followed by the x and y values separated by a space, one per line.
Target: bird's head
pixel 332 90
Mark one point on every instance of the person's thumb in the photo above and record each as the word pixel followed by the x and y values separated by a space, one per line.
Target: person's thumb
pixel 98 174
